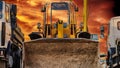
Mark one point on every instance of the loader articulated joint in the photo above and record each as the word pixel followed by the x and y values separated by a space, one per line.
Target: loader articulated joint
pixel 84 35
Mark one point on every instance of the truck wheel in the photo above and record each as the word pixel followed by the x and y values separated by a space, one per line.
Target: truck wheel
pixel 17 59
pixel 14 58
pixel 12 61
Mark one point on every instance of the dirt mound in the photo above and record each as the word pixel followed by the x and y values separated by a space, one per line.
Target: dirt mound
pixel 61 55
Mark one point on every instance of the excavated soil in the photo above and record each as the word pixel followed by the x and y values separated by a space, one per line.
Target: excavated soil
pixel 61 55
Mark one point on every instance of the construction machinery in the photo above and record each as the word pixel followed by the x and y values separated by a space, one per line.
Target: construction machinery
pixel 11 37
pixel 59 43
pixel 113 44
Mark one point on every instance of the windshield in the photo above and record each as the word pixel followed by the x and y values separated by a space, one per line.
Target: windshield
pixel 59 12
pixel 1 7
pixel 59 15
pixel 59 6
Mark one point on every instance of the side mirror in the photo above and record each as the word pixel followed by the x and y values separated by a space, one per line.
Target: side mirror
pixel 38 26
pixel 102 31
pixel 43 9
pixel 76 9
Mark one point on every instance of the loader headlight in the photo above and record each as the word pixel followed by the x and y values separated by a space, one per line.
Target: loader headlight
pixel 65 25
pixel 65 35
pixel 102 62
pixel 94 36
pixel 55 25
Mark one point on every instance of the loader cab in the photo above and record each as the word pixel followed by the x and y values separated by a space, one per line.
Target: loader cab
pixel 63 11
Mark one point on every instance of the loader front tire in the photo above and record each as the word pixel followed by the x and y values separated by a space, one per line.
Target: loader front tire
pixel 84 35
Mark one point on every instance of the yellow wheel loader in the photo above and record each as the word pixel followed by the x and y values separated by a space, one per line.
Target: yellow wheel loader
pixel 58 44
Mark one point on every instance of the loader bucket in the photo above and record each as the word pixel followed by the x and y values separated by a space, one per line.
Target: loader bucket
pixel 61 53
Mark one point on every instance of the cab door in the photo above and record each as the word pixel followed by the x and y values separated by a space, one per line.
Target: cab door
pixel 2 25
pixel 114 32
pixel 7 24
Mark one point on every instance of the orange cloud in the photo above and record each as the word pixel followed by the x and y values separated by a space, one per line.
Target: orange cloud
pixel 99 12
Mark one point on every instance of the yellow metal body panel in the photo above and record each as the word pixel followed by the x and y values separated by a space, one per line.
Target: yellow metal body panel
pixel 60 29
pixel 72 36
pixel 65 31
pixel 85 16
pixel 73 31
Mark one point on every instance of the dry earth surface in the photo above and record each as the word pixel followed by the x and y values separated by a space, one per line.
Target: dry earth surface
pixel 60 55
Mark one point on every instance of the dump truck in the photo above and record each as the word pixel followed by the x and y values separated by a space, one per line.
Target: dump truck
pixel 11 37
pixel 58 42
pixel 113 44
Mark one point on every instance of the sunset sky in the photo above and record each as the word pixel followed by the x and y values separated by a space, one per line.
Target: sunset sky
pixel 99 12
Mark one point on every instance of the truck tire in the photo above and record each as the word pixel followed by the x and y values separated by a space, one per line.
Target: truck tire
pixel 14 56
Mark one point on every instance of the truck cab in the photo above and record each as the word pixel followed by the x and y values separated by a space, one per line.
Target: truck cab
pixel 11 37
pixel 113 43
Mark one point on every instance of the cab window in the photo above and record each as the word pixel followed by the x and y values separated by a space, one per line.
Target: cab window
pixel 7 13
